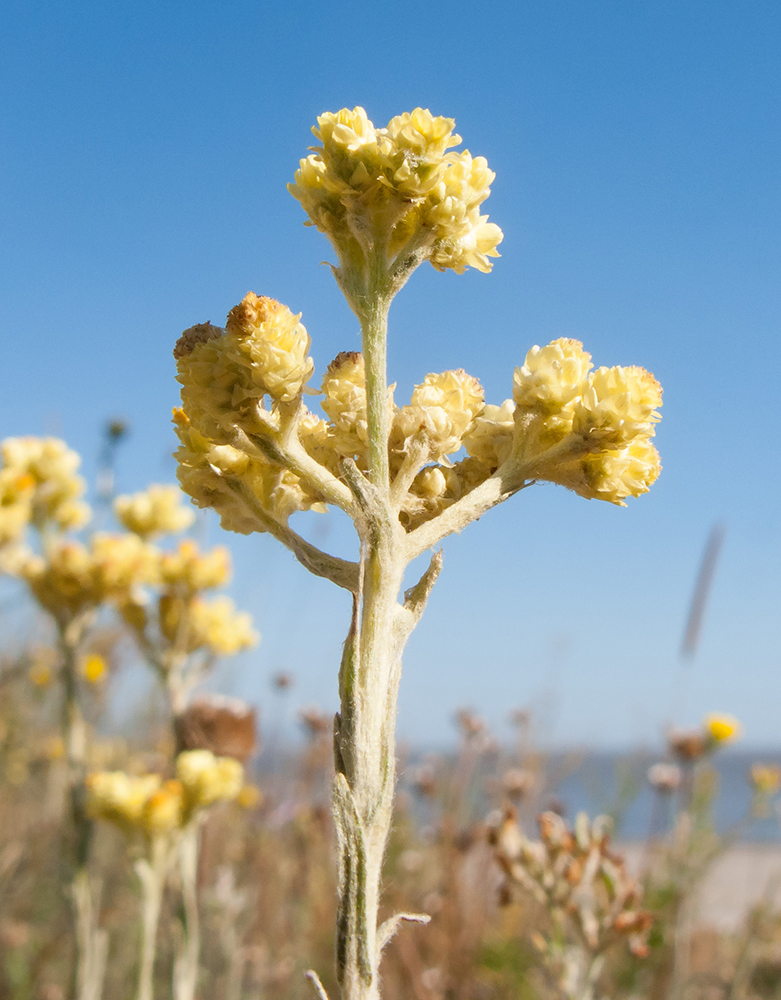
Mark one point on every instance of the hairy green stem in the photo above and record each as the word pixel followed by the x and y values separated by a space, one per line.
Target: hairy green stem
pixel 364 744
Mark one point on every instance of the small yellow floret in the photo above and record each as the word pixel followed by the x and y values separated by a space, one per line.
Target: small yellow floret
pixel 723 728
pixel 93 668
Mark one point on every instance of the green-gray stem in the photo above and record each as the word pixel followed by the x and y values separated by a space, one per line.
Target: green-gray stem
pixel 152 874
pixel 186 962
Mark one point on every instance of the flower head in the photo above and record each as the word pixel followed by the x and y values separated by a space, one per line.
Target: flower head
pixel 39 485
pixel 551 376
pixel 224 374
pixel 189 569
pixel 155 511
pixel 722 728
pixel 401 184
pixel 207 779
pixel 344 391
pixel 443 408
pixel 214 625
pixel 766 778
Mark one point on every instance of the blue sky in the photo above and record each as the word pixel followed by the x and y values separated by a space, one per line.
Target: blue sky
pixel 144 152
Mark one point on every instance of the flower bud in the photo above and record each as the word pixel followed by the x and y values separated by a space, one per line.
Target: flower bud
pixel 207 779
pixel 551 376
pixel 617 406
pixel 154 511
pixel 490 438
pixel 443 407
pixel 271 344
pixel 344 389
pixel 190 569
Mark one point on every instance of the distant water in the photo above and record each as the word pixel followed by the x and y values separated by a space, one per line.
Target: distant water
pixel 617 784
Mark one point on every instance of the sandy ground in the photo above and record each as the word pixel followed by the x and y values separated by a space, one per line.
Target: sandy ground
pixel 743 876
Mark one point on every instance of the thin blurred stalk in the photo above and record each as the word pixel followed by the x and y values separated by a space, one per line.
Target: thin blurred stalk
pixel 152 875
pixel 88 970
pixel 186 960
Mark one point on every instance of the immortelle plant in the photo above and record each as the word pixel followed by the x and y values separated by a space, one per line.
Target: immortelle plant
pixel 389 199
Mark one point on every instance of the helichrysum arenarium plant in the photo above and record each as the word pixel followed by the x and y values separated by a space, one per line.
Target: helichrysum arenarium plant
pixel 164 817
pixel 160 594
pixel 389 199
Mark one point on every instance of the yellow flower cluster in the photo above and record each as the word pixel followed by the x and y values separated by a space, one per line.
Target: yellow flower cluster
pixel 156 510
pixel 71 577
pixel 144 802
pixel 153 807
pixel 401 184
pixel 39 485
pixel 207 779
pixel 225 374
pixel 766 778
pixel 607 416
pixel 189 569
pixel 194 623
pixel 206 470
pixel 588 431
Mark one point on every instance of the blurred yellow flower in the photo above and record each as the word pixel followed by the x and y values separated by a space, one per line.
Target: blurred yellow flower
pixel 40 674
pixel 723 728
pixel 93 668
pixel 54 748
pixel 207 778
pixel 249 797
pixel 163 811
pixel 766 778
pixel 154 511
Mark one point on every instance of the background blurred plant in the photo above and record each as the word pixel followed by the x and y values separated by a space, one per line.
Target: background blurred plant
pixel 76 583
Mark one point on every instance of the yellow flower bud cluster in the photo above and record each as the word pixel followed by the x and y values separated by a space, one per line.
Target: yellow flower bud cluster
pixel 195 623
pixel 442 409
pixel 207 779
pixel 588 431
pixel 149 805
pixel 143 802
pixel 39 485
pixel 225 374
pixel 157 510
pixel 206 469
pixel 71 577
pixel 765 779
pixel 399 183
pixel 603 421
pixel 189 569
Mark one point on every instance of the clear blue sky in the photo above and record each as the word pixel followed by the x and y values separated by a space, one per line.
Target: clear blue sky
pixel 144 151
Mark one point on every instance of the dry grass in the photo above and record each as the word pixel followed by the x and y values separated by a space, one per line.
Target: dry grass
pixel 267 886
